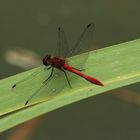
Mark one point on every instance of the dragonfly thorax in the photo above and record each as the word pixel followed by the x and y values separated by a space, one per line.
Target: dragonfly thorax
pixel 53 61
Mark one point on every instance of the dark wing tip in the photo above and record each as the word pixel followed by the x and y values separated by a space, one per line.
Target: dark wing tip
pixel 88 25
pixel 91 25
pixel 14 86
pixel 26 102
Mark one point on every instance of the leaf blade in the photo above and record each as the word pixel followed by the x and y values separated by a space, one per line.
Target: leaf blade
pixel 115 66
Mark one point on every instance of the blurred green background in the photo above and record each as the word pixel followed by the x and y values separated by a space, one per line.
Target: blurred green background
pixel 32 25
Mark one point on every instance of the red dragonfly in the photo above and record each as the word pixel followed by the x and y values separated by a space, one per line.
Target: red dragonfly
pixel 59 63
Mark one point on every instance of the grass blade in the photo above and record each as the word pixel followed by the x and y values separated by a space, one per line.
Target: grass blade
pixel 115 66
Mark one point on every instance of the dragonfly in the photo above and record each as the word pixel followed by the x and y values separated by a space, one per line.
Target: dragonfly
pixel 58 65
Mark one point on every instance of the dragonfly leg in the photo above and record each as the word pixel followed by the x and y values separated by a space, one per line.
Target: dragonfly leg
pixel 67 78
pixel 49 75
pixel 49 68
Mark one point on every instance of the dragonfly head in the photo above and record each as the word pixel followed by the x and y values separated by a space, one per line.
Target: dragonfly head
pixel 47 60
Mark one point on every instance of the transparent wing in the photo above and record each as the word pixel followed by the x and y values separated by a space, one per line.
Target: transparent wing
pixel 37 90
pixel 85 41
pixel 28 77
pixel 51 88
pixel 63 47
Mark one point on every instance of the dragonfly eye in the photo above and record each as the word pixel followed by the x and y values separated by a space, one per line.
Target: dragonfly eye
pixel 46 60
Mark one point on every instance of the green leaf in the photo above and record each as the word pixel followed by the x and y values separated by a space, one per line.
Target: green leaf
pixel 114 66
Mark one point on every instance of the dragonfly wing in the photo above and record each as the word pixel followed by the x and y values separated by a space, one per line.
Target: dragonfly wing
pixel 63 47
pixel 54 86
pixel 84 41
pixel 81 45
pixel 29 77
pixel 36 90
